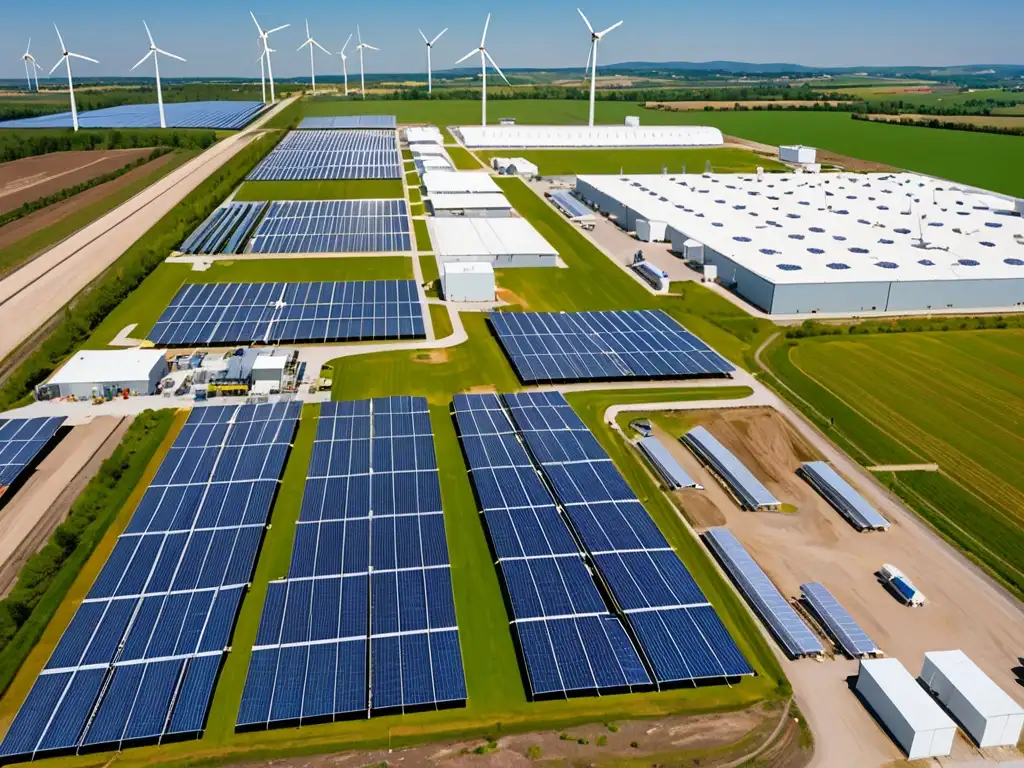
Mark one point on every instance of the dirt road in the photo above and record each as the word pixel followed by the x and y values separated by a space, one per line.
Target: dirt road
pixel 42 287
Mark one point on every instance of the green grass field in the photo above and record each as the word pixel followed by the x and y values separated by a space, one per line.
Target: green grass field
pixel 359 189
pixel 441 321
pixel 953 398
pixel 423 243
pixel 463 160
pixel 562 162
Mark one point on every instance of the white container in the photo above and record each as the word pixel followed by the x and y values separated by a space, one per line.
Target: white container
pixel 468 281
pixel 693 251
pixel 984 709
pixel 710 273
pixel 798 153
pixel 633 121
pixel 914 720
pixel 650 231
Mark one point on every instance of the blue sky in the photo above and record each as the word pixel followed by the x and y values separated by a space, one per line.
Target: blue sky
pixel 218 37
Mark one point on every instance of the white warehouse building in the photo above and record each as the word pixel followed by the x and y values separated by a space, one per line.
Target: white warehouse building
pixel 503 242
pixel 842 243
pixel 467 281
pixel 540 136
pixel 107 371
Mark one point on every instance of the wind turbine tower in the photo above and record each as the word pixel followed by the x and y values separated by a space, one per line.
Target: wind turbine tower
pixel 31 66
pixel 311 42
pixel 484 58
pixel 595 38
pixel 360 47
pixel 430 44
pixel 344 62
pixel 65 58
pixel 267 50
pixel 156 53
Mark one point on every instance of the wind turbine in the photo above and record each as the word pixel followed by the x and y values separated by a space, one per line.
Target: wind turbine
pixel 155 53
pixel 267 50
pixel 360 47
pixel 344 61
pixel 31 65
pixel 484 58
pixel 263 71
pixel 595 38
pixel 311 42
pixel 430 44
pixel 65 58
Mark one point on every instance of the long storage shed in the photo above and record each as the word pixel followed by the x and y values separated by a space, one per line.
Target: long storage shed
pixel 740 480
pixel 843 497
pixel 665 464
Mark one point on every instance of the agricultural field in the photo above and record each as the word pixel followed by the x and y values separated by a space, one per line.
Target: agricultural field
pixel 570 162
pixel 992 121
pixel 952 398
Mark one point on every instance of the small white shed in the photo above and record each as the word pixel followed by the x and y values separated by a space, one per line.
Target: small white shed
pixel 984 709
pixel 269 368
pixel 693 251
pixel 650 231
pixel 798 153
pixel 468 281
pixel 915 721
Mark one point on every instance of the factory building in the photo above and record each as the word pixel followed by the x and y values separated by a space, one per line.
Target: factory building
pixel 503 242
pixel 578 136
pixel 515 166
pixel 833 243
pixel 488 204
pixel 106 372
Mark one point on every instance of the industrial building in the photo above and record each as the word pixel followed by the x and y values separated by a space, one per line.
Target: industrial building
pixel 984 709
pixel 423 134
pixel 106 372
pixel 469 204
pixel 568 136
pixel 909 714
pixel 467 281
pixel 458 183
pixel 840 243
pixel 503 242
pixel 515 166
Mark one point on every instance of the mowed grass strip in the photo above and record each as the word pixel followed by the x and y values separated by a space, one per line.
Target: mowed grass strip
pixel 441 321
pixel 572 162
pixel 348 189
pixel 464 161
pixel 419 227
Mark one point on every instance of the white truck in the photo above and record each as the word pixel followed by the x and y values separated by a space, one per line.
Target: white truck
pixel 902 587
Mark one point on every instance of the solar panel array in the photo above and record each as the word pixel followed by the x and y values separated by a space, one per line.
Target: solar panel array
pixel 21 440
pixel 225 230
pixel 334 226
pixel 139 659
pixel 570 205
pixel 365 621
pixel 785 625
pixel 348 121
pixel 843 496
pixel 320 155
pixel 747 488
pixel 267 313
pixel 838 622
pixel 665 463
pixel 596 346
pixel 223 115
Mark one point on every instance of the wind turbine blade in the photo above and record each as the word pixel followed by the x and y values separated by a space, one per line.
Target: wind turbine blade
pixel 438 35
pixel 142 60
pixel 168 53
pixel 307 30
pixel 83 58
pixel 302 46
pixel 423 36
pixel 278 29
pixel 346 44
pixel 59 62
pixel 471 53
pixel 586 69
pixel 321 47
pixel 487 23
pixel 359 35
pixel 613 26
pixel 256 22
pixel 493 64
pixel 367 45
pixel 36 64
pixel 28 47
pixel 148 33
pixel 63 48
pixel 585 20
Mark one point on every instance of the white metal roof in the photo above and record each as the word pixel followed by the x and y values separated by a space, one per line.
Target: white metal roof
pixel 521 164
pixel 487 200
pixel 468 268
pixel 589 136
pixel 444 182
pixel 269 362
pixel 419 150
pixel 919 709
pixel 423 134
pixel 486 237
pixel 835 227
pixel 88 366
pixel 978 688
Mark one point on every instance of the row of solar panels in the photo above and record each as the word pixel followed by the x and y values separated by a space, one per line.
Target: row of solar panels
pixel 21 440
pixel 226 230
pixel 310 155
pixel 219 115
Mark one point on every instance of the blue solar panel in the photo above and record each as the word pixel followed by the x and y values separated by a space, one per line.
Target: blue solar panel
pixel 365 621
pixel 320 155
pixel 21 440
pixel 271 313
pixel 747 488
pixel 570 205
pixel 222 115
pixel 348 121
pixel 838 621
pixel 334 226
pixel 226 230
pixel 141 654
pixel 843 496
pixel 595 346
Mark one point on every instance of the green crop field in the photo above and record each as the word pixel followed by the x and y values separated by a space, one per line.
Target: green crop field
pixel 952 398
pixel 569 162
pixel 320 190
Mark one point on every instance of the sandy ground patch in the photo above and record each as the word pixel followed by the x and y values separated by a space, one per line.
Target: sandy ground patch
pixel 482 389
pixel 433 356
pixel 30 178
pixel 510 297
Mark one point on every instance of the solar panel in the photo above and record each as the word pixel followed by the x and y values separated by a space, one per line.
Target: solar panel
pixel 269 313
pixel 225 230
pixel 842 496
pixel 365 620
pixel 747 488
pixel 603 346
pixel 139 659
pixel 348 121
pixel 667 467
pixel 222 115
pixel 785 625
pixel 334 226
pixel 838 622
pixel 570 205
pixel 319 155
pixel 21 440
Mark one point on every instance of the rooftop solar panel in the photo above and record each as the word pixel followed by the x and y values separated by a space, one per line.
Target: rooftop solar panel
pixel 21 440
pixel 603 346
pixel 838 622
pixel 785 625
pixel 365 621
pixel 348 121
pixel 747 488
pixel 334 226
pixel 843 497
pixel 667 467
pixel 222 115
pixel 319 155
pixel 139 659
pixel 268 313
pixel 570 205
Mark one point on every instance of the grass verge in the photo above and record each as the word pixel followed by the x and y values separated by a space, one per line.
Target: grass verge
pixel 419 228
pixel 441 321
pixel 357 189
pixel 463 160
